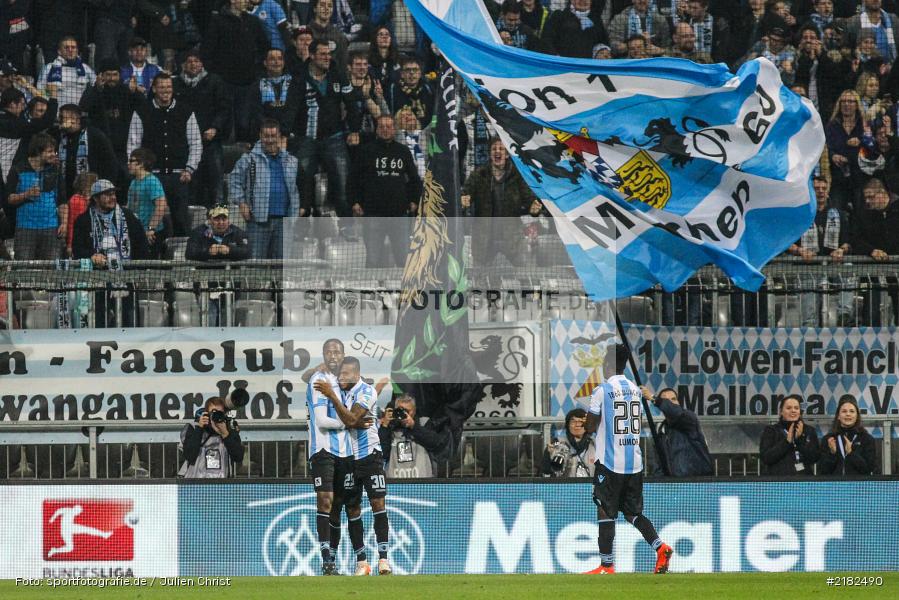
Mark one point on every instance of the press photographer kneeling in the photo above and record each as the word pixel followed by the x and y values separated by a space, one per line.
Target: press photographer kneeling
pixel 212 441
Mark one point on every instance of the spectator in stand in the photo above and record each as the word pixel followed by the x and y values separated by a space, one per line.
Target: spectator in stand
pixel 789 447
pixel 413 92
pixel 876 22
pixel 323 30
pixel 323 131
pixel 388 186
pixel 602 52
pixel 172 29
pixel 782 10
pixel 574 454
pixel 844 133
pixel 112 28
pixel 746 30
pixel 16 130
pixel 412 136
pixel 709 33
pixel 774 47
pixel 217 240
pixel 368 95
pixel 146 199
pixel 274 19
pixel 822 16
pixel 575 30
pixel 534 15
pixel 67 76
pixel 207 96
pixel 78 204
pixel 639 20
pixel 874 235
pixel 264 187
pixel 298 55
pixel 816 69
pixel 383 59
pixel 847 449
pixel 882 159
pixel 681 436
pixel 870 104
pixel 56 19
pixel 109 105
pixel 41 212
pixel 276 95
pixel 16 31
pixel 636 47
pixel 497 190
pixel 685 45
pixel 829 235
pixel 139 74
pixel 83 149
pixel 521 35
pixel 233 49
pixel 169 128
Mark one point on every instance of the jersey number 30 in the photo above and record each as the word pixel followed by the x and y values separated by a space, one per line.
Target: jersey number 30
pixel 627 418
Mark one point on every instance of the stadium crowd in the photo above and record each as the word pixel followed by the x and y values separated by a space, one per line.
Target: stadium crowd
pixel 188 85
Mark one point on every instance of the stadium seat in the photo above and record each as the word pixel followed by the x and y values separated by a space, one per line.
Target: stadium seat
pixel 391 300
pixel 175 248
pixel 153 313
pixel 303 304
pixel 343 254
pixel 636 309
pixel 185 308
pixel 255 313
pixel 35 312
pixel 197 216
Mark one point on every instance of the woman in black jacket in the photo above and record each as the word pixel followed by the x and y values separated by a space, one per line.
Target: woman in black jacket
pixel 848 449
pixel 789 447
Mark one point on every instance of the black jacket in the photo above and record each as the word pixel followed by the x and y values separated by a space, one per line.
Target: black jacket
pixel 876 230
pixel 563 35
pixel 861 461
pixel 234 47
pixel 434 436
pixel 386 179
pixel 193 442
pixel 210 102
pixel 101 158
pixel 286 113
pixel 420 100
pixel 83 245
pixel 685 446
pixel 201 239
pixel 331 106
pixel 778 455
pixel 110 108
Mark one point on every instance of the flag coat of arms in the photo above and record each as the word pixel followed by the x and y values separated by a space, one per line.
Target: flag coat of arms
pixel 650 168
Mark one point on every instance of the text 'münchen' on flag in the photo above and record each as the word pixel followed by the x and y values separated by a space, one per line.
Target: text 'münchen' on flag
pixel 651 168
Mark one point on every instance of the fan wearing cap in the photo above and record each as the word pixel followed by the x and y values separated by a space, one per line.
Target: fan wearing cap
pixel 218 239
pixel 107 233
pixel 298 56
pixel 139 73
pixel 108 104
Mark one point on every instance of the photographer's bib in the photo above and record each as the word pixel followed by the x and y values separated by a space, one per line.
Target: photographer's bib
pixel 408 459
pixel 213 461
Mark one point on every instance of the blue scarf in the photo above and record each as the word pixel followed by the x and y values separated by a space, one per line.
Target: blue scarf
pixel 81 161
pixel 703 31
pixel 633 23
pixel 584 18
pixel 269 93
pixel 114 224
pixel 883 35
pixel 820 22
pixel 54 75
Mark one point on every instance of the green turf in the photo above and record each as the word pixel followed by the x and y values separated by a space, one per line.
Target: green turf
pixel 792 586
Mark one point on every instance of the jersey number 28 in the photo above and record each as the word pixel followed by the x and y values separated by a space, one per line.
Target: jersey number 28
pixel 627 418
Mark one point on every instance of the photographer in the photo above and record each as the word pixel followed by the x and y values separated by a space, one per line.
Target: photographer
pixel 410 444
pixel 573 455
pixel 211 443
pixel 789 447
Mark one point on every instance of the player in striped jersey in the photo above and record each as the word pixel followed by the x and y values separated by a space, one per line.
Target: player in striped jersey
pixel 355 407
pixel 330 454
pixel 614 419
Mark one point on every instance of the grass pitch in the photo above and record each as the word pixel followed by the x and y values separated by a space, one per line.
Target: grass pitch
pixel 794 586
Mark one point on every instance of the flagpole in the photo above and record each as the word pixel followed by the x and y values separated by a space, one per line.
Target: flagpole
pixel 660 451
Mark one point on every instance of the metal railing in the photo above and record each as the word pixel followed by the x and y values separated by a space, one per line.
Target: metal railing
pixel 490 448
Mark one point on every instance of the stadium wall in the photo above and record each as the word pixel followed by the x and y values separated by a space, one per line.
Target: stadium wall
pixel 264 529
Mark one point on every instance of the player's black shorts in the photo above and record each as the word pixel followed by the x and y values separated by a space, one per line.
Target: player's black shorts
pixel 616 491
pixel 370 475
pixel 332 473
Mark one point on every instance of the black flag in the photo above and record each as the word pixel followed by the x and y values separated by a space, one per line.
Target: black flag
pixel 431 359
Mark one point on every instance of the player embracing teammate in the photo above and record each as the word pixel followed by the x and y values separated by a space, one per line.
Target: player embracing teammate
pixel 345 457
pixel 614 416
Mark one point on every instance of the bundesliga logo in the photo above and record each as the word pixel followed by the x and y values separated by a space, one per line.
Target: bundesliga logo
pixel 88 530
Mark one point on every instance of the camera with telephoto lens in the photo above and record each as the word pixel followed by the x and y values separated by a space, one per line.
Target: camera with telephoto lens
pixel 558 454
pixel 399 415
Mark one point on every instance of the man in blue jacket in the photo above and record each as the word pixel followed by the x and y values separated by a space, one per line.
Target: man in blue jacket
pixel 264 186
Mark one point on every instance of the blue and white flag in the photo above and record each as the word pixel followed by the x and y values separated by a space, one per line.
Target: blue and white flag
pixel 651 168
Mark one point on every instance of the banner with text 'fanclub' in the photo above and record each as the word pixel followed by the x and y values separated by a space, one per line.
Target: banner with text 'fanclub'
pixel 651 168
